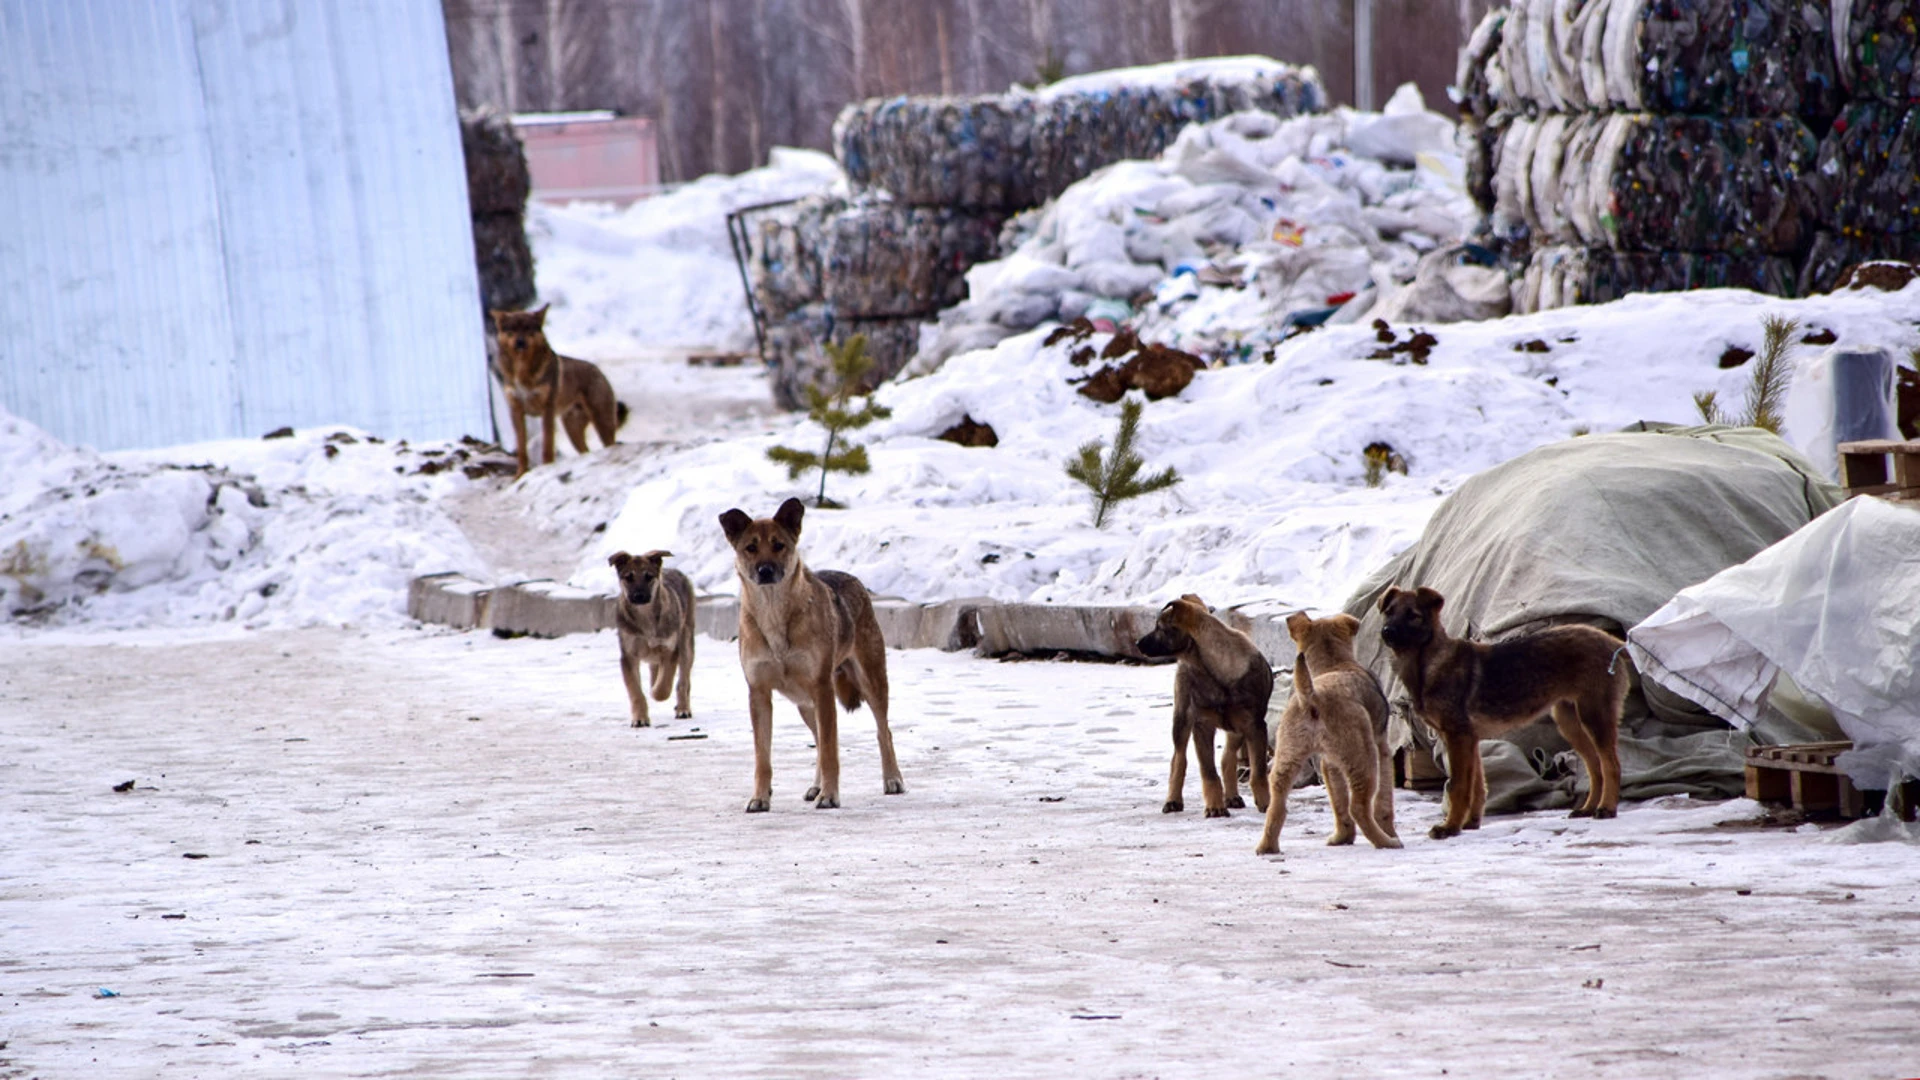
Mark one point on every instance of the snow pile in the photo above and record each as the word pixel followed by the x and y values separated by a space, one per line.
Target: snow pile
pixel 661 271
pixel 1273 507
pixel 1263 215
pixel 320 527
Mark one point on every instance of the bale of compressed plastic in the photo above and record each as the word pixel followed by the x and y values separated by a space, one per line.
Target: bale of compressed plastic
pixel 783 254
pixel 1868 176
pixel 1833 254
pixel 1638 182
pixel 497 177
pixel 941 151
pixel 1707 57
pixel 1562 276
pixel 1481 146
pixel 1480 81
pixel 885 259
pixel 796 355
pixel 1879 46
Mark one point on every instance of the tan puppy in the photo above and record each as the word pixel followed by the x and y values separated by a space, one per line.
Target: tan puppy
pixel 654 618
pixel 1338 712
pixel 542 382
pixel 1466 691
pixel 1222 681
pixel 810 636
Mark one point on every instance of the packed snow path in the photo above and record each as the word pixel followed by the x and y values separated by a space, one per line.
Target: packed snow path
pixel 421 853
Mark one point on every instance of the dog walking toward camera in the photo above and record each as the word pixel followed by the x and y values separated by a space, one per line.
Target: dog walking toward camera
pixel 541 382
pixel 1338 712
pixel 813 637
pixel 1221 682
pixel 654 618
pixel 1466 691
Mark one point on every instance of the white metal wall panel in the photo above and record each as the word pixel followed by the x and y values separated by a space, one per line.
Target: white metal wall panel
pixel 220 218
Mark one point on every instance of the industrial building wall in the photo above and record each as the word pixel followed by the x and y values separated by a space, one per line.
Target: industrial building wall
pixel 218 219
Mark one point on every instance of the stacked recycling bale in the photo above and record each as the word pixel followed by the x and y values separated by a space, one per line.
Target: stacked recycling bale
pixel 497 187
pixel 939 176
pixel 1645 145
pixel 1869 170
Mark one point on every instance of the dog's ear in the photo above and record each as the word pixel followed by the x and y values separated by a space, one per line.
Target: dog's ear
pixel 1347 624
pixel 789 515
pixel 618 560
pixel 1196 602
pixel 1429 599
pixel 1297 625
pixel 733 523
pixel 657 555
pixel 1386 598
pixel 539 315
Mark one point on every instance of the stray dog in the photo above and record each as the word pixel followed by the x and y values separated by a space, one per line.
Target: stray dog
pixel 655 619
pixel 1466 691
pixel 1222 682
pixel 1338 712
pixel 811 636
pixel 542 382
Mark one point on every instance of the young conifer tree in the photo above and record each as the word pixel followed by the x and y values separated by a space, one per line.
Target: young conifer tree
pixel 831 409
pixel 1116 477
pixel 1767 380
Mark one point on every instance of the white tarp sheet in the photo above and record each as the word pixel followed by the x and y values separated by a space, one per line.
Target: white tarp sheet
pixel 1836 606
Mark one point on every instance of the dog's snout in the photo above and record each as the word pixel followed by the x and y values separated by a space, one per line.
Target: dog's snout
pixel 767 573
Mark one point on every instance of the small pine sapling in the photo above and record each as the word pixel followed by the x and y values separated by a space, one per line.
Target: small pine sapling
pixel 1116 477
pixel 832 410
pixel 1767 380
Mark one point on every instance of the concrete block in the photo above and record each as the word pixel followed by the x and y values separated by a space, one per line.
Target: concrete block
pixel 1039 628
pixel 449 599
pixel 718 617
pixel 549 609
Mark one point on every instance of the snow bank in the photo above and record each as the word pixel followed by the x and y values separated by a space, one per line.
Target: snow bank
pixel 1273 507
pixel 660 272
pixel 325 527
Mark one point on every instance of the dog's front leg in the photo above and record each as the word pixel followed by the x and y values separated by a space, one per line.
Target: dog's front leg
pixel 1212 793
pixel 518 414
pixel 683 690
pixel 760 708
pixel 630 674
pixel 1177 769
pixel 827 740
pixel 1463 757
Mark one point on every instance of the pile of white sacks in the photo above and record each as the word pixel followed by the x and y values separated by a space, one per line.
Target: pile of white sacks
pixel 1299 217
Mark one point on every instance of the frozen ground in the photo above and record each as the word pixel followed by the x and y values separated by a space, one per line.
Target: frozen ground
pixel 419 853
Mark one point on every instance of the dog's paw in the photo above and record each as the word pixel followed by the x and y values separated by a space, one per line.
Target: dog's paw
pixel 1442 832
pixel 1580 811
pixel 1474 824
pixel 1267 847
pixel 1606 812
pixel 758 806
pixel 896 786
pixel 1173 806
pixel 1391 842
pixel 641 721
pixel 1217 811
pixel 683 714
pixel 812 794
pixel 827 802
pixel 1340 839
pixel 1236 803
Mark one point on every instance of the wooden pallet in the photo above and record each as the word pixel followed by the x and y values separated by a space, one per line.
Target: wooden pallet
pixel 1881 467
pixel 1804 777
pixel 1415 769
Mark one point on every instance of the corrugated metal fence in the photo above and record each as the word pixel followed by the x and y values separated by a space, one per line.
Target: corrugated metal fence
pixel 220 218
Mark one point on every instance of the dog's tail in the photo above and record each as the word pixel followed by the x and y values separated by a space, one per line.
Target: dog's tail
pixel 846 686
pixel 620 414
pixel 1303 686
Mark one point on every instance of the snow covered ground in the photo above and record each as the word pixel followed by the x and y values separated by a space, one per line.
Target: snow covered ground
pixel 402 852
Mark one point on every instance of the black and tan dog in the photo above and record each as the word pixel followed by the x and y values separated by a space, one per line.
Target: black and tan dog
pixel 1222 682
pixel 543 383
pixel 654 617
pixel 811 636
pixel 1338 712
pixel 1466 691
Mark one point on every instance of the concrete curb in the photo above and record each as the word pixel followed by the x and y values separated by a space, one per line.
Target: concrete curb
pixel 988 627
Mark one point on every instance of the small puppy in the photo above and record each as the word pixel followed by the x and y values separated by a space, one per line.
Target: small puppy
pixel 654 617
pixel 811 636
pixel 1221 681
pixel 1338 712
pixel 542 382
pixel 1466 691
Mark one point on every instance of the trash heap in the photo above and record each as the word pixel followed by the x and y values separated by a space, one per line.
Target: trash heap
pixel 1244 231
pixel 936 178
pixel 1654 145
pixel 497 187
pixel 1647 145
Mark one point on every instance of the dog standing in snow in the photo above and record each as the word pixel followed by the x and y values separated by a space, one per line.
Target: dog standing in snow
pixel 1338 712
pixel 812 637
pixel 654 618
pixel 1466 691
pixel 540 381
pixel 1223 682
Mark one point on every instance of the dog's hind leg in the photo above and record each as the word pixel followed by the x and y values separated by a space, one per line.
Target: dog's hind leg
pixel 813 729
pixel 1339 799
pixel 1600 719
pixel 827 741
pixel 760 707
pixel 1567 718
pixel 575 421
pixel 546 432
pixel 1365 781
pixel 1230 771
pixel 1383 789
pixel 1257 771
pixel 1288 756
pixel 872 682
pixel 1213 794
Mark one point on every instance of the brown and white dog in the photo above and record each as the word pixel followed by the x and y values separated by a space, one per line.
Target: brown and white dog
pixel 812 637
pixel 654 618
pixel 1338 712
pixel 1466 691
pixel 539 381
pixel 1222 681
